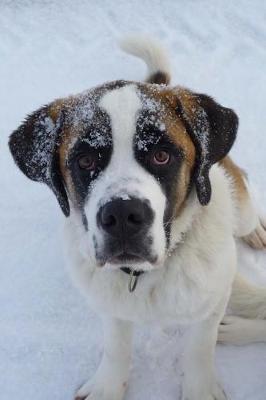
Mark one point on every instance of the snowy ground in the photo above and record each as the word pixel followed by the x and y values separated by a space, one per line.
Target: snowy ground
pixel 50 342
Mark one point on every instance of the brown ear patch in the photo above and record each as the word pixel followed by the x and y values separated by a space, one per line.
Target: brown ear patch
pixel 179 136
pixel 68 136
pixel 175 129
pixel 63 156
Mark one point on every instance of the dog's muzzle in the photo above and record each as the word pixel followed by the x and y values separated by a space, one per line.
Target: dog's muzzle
pixel 125 225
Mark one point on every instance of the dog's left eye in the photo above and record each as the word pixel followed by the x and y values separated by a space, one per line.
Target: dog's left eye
pixel 161 157
pixel 87 162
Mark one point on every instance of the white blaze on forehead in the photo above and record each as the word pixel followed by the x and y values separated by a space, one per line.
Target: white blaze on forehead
pixel 122 106
pixel 124 177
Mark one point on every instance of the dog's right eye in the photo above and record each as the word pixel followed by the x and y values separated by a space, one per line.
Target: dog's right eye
pixel 87 162
pixel 161 157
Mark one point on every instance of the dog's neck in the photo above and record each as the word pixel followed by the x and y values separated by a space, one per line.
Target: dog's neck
pixel 182 224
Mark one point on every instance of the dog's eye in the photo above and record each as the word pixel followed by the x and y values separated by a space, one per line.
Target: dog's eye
pixel 161 157
pixel 87 162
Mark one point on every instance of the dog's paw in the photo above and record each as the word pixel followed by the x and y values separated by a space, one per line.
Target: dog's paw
pixel 231 330
pixel 234 330
pixel 101 389
pixel 219 393
pixel 257 238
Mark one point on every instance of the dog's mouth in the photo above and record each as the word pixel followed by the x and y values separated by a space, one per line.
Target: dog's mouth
pixel 131 264
pixel 130 260
pixel 134 259
pixel 126 259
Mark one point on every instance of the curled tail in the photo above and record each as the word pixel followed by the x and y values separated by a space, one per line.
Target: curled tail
pixel 153 54
pixel 248 300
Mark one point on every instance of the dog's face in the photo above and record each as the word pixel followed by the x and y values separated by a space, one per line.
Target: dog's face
pixel 126 169
pixel 124 157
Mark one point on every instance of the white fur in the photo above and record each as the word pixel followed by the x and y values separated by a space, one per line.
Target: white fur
pixel 248 300
pixel 190 283
pixel 199 380
pixel 124 177
pixel 246 217
pixel 149 50
pixel 110 380
pixel 257 237
pixel 192 287
pixel 188 268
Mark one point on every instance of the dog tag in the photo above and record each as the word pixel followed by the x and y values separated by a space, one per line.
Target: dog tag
pixel 133 280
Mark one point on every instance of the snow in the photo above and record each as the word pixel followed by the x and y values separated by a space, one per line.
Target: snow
pixel 50 341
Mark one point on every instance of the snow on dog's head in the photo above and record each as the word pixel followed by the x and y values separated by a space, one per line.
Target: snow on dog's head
pixel 124 172
pixel 122 159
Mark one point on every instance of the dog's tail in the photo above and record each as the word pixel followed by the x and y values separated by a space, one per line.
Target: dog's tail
pixel 248 300
pixel 153 54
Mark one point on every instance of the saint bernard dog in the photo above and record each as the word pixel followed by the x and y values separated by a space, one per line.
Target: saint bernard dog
pixel 153 205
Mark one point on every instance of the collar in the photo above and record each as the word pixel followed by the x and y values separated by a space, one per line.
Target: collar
pixel 133 280
pixel 131 272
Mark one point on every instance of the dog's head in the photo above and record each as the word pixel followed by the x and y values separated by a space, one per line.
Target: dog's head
pixel 124 156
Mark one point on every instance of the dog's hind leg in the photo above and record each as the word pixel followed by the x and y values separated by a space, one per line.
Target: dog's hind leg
pixel 239 331
pixel 248 302
pixel 249 224
pixel 257 238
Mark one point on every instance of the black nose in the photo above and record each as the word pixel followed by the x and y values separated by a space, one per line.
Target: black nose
pixel 121 218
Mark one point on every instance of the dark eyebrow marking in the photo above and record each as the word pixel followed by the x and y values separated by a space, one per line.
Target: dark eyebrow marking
pixel 149 130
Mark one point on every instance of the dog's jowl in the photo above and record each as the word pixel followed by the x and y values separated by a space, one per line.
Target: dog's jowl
pixel 153 205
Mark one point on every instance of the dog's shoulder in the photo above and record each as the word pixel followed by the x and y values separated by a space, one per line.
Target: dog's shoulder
pixel 205 224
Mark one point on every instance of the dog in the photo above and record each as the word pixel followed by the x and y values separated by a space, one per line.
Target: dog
pixel 153 207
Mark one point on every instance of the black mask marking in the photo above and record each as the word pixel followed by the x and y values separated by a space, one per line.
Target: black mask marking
pixel 151 137
pixel 96 141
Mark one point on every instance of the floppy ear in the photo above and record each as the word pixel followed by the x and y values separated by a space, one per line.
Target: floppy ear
pixel 212 129
pixel 34 147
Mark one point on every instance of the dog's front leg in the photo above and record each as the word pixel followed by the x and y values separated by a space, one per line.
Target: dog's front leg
pixel 110 380
pixel 199 371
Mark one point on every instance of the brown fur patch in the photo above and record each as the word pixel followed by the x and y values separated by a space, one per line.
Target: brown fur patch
pixel 178 134
pixel 174 126
pixel 187 99
pixel 55 109
pixel 66 138
pixel 238 175
pixel 160 78
pixel 182 189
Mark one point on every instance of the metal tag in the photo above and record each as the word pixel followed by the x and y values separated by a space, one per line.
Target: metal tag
pixel 133 280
